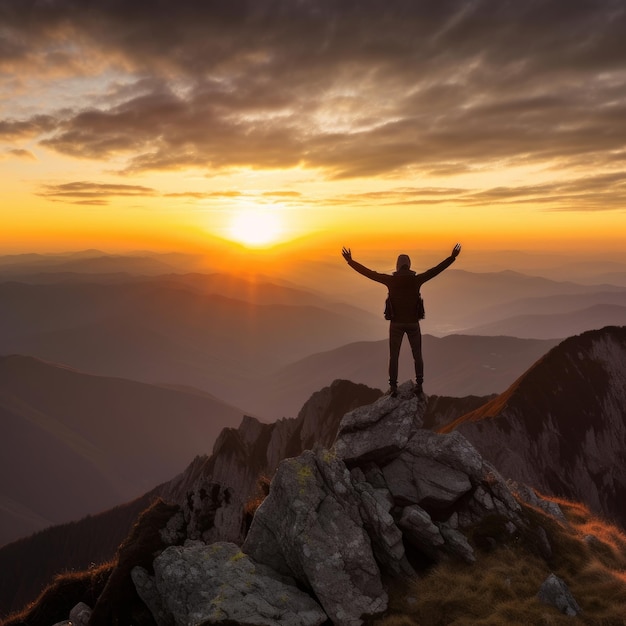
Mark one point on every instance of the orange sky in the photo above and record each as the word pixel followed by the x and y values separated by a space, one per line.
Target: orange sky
pixel 378 125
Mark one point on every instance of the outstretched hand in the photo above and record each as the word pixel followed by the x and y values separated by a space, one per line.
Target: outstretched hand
pixel 456 250
pixel 347 255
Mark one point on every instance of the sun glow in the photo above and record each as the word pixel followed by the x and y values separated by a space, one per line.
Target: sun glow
pixel 256 227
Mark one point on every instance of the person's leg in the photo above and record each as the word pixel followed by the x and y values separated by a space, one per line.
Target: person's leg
pixel 396 333
pixel 415 339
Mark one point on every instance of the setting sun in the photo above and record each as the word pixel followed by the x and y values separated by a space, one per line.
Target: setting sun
pixel 255 228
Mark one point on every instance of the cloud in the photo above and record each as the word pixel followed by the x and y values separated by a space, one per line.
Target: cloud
pixel 282 194
pixel 367 88
pixel 90 193
pixel 22 129
pixel 20 153
pixel 200 195
pixel 588 193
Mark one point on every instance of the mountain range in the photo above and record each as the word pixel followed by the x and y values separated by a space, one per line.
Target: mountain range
pixel 558 428
pixel 248 338
pixel 456 365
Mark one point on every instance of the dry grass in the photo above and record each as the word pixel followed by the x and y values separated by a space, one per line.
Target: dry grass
pixel 59 597
pixel 501 588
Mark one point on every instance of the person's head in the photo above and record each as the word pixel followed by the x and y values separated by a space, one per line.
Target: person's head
pixel 403 262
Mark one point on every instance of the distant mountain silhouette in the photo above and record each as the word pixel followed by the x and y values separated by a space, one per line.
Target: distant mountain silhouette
pixel 233 334
pixel 459 298
pixel 557 325
pixel 95 262
pixel 561 427
pixel 74 443
pixel 456 365
pixel 547 305
pixel 165 331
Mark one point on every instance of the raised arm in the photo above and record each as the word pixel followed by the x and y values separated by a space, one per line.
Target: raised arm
pixel 361 269
pixel 446 263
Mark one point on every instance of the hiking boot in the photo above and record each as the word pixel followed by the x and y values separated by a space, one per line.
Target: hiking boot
pixel 418 390
pixel 392 391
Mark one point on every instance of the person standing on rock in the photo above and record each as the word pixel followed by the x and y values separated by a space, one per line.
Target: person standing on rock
pixel 404 308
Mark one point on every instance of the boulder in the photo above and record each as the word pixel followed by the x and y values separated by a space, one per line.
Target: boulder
pixel 555 592
pixel 421 480
pixel 380 429
pixel 310 527
pixel 149 594
pixel 452 450
pixel 386 537
pixel 80 614
pixel 219 584
pixel 420 529
pixel 456 544
pixel 530 496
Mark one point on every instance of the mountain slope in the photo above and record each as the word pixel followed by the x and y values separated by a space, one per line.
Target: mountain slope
pixel 555 325
pixel 456 365
pixel 561 427
pixel 546 305
pixel 75 443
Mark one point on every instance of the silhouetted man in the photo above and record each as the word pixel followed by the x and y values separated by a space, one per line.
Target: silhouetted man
pixel 404 309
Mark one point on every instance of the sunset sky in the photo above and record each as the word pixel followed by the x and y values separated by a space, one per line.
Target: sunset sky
pixel 161 124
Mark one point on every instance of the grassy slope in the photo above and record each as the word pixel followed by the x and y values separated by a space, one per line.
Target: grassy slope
pixel 501 587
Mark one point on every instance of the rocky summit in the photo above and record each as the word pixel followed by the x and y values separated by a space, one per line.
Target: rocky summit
pixel 386 500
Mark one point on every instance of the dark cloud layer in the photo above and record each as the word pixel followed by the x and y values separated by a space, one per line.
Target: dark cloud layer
pixel 352 87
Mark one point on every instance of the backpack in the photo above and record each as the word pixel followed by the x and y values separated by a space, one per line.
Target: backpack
pixel 421 311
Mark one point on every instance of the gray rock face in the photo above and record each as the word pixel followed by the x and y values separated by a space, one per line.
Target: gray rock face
pixel 529 495
pixel 380 429
pixel 386 537
pixel 148 592
pixel 310 527
pixel 451 450
pixel 421 479
pixel 457 544
pixel 332 530
pixel 555 592
pixel 217 583
pixel 80 614
pixel 420 529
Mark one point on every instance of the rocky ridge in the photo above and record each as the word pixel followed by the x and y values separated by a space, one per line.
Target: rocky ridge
pixel 562 426
pixel 385 500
